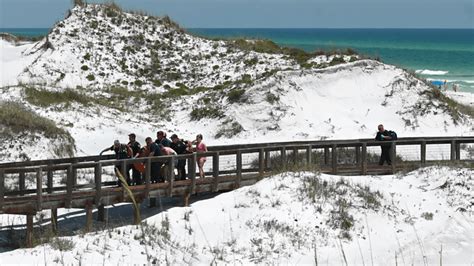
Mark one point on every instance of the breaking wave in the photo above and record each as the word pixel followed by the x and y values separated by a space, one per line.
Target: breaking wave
pixel 431 72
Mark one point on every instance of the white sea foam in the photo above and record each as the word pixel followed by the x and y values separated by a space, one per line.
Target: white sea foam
pixel 431 72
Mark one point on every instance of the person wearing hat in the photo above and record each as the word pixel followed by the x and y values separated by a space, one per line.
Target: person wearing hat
pixel 122 151
pixel 136 149
pixel 180 147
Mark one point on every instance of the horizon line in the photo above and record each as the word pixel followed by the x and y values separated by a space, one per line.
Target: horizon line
pixel 264 28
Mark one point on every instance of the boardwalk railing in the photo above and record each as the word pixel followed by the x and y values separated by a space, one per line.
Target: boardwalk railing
pixel 29 187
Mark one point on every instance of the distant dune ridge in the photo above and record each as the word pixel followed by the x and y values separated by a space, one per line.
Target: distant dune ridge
pixel 102 73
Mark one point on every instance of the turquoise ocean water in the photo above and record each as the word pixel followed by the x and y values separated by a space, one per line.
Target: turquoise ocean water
pixel 436 54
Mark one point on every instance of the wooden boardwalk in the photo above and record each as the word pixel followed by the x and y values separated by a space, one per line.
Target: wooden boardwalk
pixel 227 171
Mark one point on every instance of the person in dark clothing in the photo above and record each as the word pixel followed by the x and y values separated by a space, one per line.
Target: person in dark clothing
pixel 122 151
pixel 136 149
pixel 161 139
pixel 155 166
pixel 180 147
pixel 384 135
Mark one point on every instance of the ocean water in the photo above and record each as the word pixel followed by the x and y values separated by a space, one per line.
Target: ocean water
pixel 435 54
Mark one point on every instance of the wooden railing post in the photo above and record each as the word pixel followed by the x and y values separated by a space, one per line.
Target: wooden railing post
pixel 192 173
pixel 261 163
pixel 326 155
pixel 171 176
pixel 123 170
pixel 357 154
pixel 49 181
pixel 215 171
pixel 268 160
pixel 74 174
pixel 334 158
pixel 453 150
pixel 22 183
pixel 423 152
pixel 2 189
pixel 239 168
pixel 39 189
pixel 98 183
pixel 69 184
pixel 393 155
pixel 147 177
pixel 309 151
pixel 458 151
pixel 295 156
pixel 283 157
pixel 364 158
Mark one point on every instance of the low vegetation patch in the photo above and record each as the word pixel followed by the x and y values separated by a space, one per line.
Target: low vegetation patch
pixel 15 118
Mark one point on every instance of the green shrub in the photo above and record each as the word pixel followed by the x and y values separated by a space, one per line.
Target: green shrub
pixel 206 112
pixel 84 68
pixel 45 98
pixel 90 77
pixel 271 98
pixel 138 83
pixel 94 24
pixel 215 67
pixel 62 244
pixel 251 62
pixel 336 60
pixel 236 95
pixel 229 130
pixel 87 56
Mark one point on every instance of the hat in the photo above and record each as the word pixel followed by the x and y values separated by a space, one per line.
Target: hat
pixel 132 135
pixel 174 136
pixel 116 142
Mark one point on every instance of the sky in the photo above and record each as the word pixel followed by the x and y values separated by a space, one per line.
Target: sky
pixel 264 13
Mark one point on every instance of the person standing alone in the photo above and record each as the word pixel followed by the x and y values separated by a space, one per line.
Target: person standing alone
pixel 384 135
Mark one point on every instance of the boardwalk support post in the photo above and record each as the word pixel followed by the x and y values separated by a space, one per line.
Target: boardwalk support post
pixel 49 182
pixel 39 189
pixel 295 156
pixel 326 155
pixel 54 220
pixel 423 153
pixel 357 154
pixel 239 168
pixel 393 155
pixel 453 150
pixel 261 163
pixel 69 183
pixel 171 175
pixel 29 230
pixel 22 183
pixel 147 177
pixel 192 173
pixel 284 163
pixel 102 213
pixel 334 158
pixel 98 183
pixel 309 151
pixel 88 218
pixel 215 171
pixel 364 158
pixel 2 188
pixel 268 160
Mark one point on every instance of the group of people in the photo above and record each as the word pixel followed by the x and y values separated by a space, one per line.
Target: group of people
pixel 164 146
pixel 160 147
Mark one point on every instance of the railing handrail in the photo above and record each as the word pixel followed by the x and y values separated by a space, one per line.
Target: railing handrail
pixel 233 147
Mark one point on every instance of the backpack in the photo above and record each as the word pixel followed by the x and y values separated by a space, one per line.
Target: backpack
pixel 393 134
